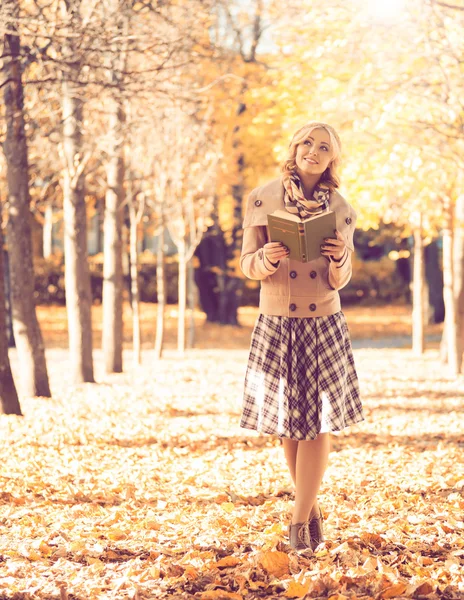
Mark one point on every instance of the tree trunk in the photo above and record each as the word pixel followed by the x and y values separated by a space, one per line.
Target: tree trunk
pixel 160 296
pixel 190 304
pixel 458 249
pixel 48 230
pixel 434 276
pixel 77 277
pixel 135 295
pixel 9 311
pixel 418 294
pixel 182 296
pixel 9 402
pixel 29 342
pixel 209 252
pixel 450 328
pixel 112 253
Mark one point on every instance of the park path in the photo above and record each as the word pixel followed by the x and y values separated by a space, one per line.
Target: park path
pixel 144 486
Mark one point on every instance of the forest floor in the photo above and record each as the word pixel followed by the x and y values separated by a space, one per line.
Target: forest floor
pixel 143 485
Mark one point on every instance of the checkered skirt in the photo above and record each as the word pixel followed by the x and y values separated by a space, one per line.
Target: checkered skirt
pixel 301 378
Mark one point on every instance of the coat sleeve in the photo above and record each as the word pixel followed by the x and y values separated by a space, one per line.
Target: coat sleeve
pixel 340 272
pixel 253 263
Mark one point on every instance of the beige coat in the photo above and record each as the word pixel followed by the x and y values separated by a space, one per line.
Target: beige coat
pixel 292 288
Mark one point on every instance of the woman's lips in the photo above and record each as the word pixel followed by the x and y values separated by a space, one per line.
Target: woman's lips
pixel 311 161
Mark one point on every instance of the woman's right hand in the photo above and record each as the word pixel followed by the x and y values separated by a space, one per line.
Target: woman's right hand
pixel 275 251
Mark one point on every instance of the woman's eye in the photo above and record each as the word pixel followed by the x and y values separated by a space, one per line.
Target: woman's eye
pixel 324 148
pixel 307 143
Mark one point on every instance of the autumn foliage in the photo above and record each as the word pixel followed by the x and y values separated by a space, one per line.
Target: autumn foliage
pixel 143 486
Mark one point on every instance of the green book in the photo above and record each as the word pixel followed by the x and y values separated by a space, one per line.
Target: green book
pixel 303 238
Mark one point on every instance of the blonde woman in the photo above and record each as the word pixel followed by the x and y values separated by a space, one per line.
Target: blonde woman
pixel 301 381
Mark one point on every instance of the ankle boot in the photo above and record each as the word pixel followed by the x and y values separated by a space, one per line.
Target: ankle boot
pixel 298 535
pixel 316 531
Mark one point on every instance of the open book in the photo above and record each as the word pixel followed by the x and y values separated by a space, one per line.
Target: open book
pixel 303 238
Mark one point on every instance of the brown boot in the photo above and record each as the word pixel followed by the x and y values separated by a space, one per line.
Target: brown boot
pixel 316 531
pixel 298 535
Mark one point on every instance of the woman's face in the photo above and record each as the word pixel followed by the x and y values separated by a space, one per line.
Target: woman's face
pixel 314 155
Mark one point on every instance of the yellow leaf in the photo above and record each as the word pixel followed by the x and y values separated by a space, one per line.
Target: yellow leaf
pixel 275 562
pixel 116 534
pixel 227 561
pixel 297 590
pixel 275 528
pixel 33 554
pixel 395 590
pixel 228 506
pixel 77 546
pixel 44 548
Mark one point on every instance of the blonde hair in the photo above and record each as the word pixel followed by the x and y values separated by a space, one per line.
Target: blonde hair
pixel 330 176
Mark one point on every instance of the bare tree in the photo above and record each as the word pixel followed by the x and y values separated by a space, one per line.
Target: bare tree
pixel 418 338
pixel 25 324
pixel 136 210
pixel 9 402
pixel 118 24
pixel 77 277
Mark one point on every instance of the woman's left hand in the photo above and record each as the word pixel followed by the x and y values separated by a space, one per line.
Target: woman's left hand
pixel 334 249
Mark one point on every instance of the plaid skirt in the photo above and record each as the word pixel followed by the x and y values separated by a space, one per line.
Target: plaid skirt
pixel 301 378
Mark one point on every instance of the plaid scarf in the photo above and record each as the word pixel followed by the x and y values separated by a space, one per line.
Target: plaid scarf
pixel 297 204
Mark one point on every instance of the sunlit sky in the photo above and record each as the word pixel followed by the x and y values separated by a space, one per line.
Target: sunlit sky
pixel 385 9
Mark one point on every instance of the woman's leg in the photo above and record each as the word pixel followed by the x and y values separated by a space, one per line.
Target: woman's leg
pixel 312 457
pixel 290 450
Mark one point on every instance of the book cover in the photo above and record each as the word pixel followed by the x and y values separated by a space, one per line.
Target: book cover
pixel 303 238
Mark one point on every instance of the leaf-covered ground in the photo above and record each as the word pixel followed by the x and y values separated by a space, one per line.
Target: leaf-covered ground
pixel 143 486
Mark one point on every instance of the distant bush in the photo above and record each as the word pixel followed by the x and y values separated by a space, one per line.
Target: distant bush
pixel 375 281
pixel 49 279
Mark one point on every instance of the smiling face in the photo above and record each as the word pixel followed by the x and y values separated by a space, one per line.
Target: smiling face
pixel 314 154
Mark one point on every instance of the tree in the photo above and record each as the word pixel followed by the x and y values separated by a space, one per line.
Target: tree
pixel 25 324
pixel 9 402
pixel 77 277
pixel 118 22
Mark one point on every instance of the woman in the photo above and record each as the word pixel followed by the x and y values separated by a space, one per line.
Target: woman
pixel 301 381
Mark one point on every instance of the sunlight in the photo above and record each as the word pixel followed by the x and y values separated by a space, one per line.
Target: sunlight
pixel 385 9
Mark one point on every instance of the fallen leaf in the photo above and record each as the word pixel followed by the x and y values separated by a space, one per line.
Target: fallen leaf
pixel 275 563
pixel 220 595
pixel 227 561
pixel 395 590
pixel 297 589
pixel 424 589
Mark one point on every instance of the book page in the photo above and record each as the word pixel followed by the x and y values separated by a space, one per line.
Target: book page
pixel 284 214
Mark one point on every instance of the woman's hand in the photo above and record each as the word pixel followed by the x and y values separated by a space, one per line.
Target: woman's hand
pixel 275 251
pixel 332 249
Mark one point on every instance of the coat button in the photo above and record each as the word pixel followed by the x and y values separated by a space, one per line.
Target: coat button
pixel 348 220
pixel 258 202
pixel 292 307
pixel 293 274
pixel 312 307
pixel 313 274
